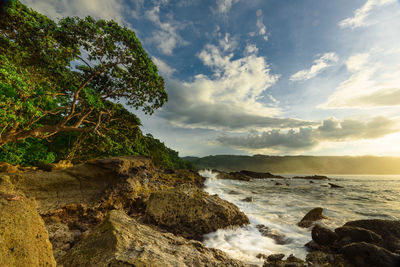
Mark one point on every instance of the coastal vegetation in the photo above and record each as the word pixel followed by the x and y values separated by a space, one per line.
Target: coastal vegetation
pixel 61 88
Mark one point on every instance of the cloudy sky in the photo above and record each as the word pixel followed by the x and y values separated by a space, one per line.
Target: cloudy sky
pixel 315 77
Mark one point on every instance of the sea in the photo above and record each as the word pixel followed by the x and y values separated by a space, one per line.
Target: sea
pixel 281 207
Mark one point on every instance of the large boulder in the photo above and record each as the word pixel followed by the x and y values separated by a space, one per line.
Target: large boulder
pixel 323 236
pixel 122 241
pixel 350 234
pixel 24 240
pixel 387 229
pixel 311 217
pixel 369 255
pixel 191 212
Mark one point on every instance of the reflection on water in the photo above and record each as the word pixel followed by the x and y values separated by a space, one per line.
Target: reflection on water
pixel 281 207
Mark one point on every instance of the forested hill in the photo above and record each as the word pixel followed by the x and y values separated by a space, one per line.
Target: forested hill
pixel 301 164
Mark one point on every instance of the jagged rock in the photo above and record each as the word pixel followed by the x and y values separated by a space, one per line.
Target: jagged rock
pixel 61 237
pixel 233 176
pixel 350 234
pixel 248 199
pixel 323 236
pixel 335 185
pixel 122 241
pixel 312 177
pixel 191 212
pixel 275 257
pixel 24 240
pixel 365 254
pixel 279 238
pixel 312 216
pixel 387 229
pixel 8 168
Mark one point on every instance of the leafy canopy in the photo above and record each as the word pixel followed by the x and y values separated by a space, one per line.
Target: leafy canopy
pixel 61 77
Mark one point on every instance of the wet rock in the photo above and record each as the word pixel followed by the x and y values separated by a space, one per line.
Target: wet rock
pixel 261 256
pixel 277 183
pixel 275 257
pixel 24 240
pixel 311 182
pixel 191 212
pixel 389 231
pixel 248 199
pixel 279 238
pixel 312 216
pixel 313 177
pixel 365 254
pixel 8 168
pixel 121 241
pixel 335 185
pixel 312 246
pixel 350 234
pixel 233 176
pixel 323 236
pixel 233 192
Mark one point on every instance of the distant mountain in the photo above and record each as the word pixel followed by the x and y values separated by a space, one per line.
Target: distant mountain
pixel 301 164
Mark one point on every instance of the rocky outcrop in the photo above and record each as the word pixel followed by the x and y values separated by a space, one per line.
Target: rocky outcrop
pixel 311 217
pixel 245 175
pixel 357 243
pixel 121 241
pixel 23 237
pixel 312 177
pixel 191 212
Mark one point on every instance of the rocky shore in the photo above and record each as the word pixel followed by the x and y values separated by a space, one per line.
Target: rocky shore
pixel 126 212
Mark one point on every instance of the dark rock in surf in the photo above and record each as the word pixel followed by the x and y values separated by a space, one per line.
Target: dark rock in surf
pixel 351 234
pixel 259 175
pixel 312 177
pixel 312 216
pixel 279 238
pixel 365 254
pixel 247 199
pixel 277 183
pixel 335 185
pixel 323 236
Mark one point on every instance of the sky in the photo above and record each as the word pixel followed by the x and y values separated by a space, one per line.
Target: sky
pixel 311 77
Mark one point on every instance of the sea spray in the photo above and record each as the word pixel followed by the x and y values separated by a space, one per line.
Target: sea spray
pixel 280 208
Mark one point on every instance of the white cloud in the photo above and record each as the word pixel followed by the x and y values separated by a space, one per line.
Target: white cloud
pixel 224 6
pixel 99 9
pixel 166 37
pixel 262 29
pixel 163 67
pixel 326 60
pixel 362 15
pixel 374 81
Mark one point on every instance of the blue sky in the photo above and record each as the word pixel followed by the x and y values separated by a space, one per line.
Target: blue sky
pixel 316 77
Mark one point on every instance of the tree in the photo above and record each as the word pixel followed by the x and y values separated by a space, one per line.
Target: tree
pixel 59 77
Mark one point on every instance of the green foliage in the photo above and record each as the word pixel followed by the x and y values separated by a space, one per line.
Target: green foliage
pixel 28 152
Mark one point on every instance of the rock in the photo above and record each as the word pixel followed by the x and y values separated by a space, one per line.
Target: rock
pixel 233 192
pixel 61 237
pixel 312 216
pixel 259 175
pixel 233 176
pixel 277 183
pixel 24 240
pixel 312 246
pixel 364 254
pixel 323 236
pixel 350 234
pixel 248 199
pixel 389 231
pixel 279 238
pixel 313 177
pixel 261 256
pixel 335 185
pixel 311 182
pixel 275 257
pixel 317 258
pixel 191 212
pixel 8 168
pixel 122 241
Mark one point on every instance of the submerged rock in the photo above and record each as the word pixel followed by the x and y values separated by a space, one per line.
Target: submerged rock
pixel 312 216
pixel 335 185
pixel 248 199
pixel 121 241
pixel 24 240
pixel 191 212
pixel 279 238
pixel 312 177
